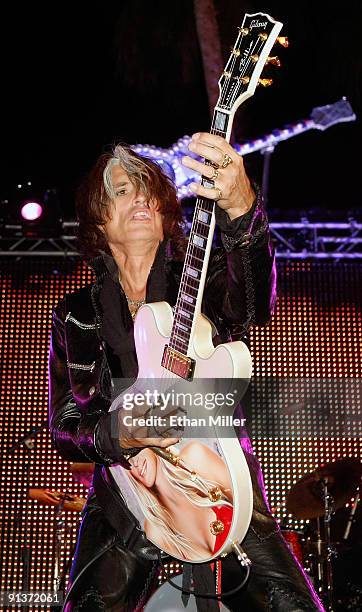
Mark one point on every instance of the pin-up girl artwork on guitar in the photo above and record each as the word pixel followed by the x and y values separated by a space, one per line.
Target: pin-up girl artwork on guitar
pixel 186 498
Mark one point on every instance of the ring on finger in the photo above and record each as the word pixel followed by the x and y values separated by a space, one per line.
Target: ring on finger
pixel 226 160
pixel 219 194
pixel 215 174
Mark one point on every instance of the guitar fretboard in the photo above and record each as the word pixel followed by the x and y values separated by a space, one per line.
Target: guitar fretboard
pixel 188 301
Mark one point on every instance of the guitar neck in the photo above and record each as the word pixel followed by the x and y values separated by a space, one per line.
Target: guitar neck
pixel 322 117
pixel 276 136
pixel 238 82
pixel 189 299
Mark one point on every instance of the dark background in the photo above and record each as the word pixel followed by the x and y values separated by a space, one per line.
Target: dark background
pixel 79 77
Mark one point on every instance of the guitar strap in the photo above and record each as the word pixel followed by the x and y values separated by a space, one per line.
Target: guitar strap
pixel 204 581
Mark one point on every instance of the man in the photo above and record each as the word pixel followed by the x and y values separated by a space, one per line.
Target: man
pixel 130 219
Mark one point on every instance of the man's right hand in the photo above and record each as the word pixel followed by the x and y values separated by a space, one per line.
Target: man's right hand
pixel 158 433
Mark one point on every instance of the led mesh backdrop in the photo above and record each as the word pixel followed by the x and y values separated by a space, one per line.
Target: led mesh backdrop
pixel 316 332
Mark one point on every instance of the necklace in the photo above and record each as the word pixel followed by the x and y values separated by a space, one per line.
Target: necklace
pixel 134 304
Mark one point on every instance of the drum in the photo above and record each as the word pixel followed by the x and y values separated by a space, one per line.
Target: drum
pixel 295 540
pixel 168 599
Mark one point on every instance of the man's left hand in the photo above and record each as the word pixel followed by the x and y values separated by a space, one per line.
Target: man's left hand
pixel 231 188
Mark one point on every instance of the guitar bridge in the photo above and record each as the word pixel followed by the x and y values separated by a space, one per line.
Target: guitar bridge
pixel 177 363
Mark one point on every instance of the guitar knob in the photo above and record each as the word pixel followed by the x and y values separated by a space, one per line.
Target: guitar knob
pixel 275 61
pixel 265 82
pixel 283 41
pixel 244 31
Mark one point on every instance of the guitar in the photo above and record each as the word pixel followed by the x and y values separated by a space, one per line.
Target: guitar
pixel 321 118
pixel 194 500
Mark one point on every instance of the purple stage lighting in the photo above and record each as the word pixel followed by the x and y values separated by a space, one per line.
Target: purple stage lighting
pixel 31 211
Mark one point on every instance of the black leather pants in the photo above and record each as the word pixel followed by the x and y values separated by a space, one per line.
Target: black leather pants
pixel 277 582
pixel 108 577
pixel 105 575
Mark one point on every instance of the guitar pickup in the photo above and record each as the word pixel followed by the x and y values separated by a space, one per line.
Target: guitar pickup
pixel 177 363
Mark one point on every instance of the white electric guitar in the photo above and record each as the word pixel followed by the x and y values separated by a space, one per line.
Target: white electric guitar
pixel 194 500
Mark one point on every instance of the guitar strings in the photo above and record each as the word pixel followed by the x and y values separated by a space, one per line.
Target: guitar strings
pixel 233 57
pixel 190 254
pixel 196 223
pixel 189 282
pixel 195 228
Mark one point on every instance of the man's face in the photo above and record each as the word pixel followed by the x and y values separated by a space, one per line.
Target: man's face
pixel 132 218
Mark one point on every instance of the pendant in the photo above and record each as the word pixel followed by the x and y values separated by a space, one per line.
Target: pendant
pixel 217 527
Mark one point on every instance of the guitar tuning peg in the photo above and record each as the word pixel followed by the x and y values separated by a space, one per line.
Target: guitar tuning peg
pixel 265 82
pixel 235 52
pixel 283 41
pixel 244 31
pixel 275 61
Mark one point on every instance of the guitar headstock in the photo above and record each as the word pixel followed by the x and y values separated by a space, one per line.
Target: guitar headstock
pixel 325 116
pixel 257 35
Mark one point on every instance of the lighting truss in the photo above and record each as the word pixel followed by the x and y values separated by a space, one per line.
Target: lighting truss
pixel 317 240
pixel 293 240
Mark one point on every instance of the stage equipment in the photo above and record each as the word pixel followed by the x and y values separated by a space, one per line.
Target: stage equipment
pixel 316 496
pixel 346 526
pixel 295 540
pixel 67 501
pixel 167 599
pixel 300 239
pixel 31 211
pixel 62 502
pixel 306 499
pixel 27 442
pixel 35 209
pixel 321 118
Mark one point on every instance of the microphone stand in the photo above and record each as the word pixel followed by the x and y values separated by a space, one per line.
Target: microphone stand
pixel 59 524
pixel 351 516
pixel 28 443
pixel 328 509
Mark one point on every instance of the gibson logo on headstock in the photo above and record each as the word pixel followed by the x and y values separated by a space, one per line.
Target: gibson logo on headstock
pixel 258 24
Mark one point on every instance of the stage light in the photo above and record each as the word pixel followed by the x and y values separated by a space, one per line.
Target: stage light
pixel 37 210
pixel 30 211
